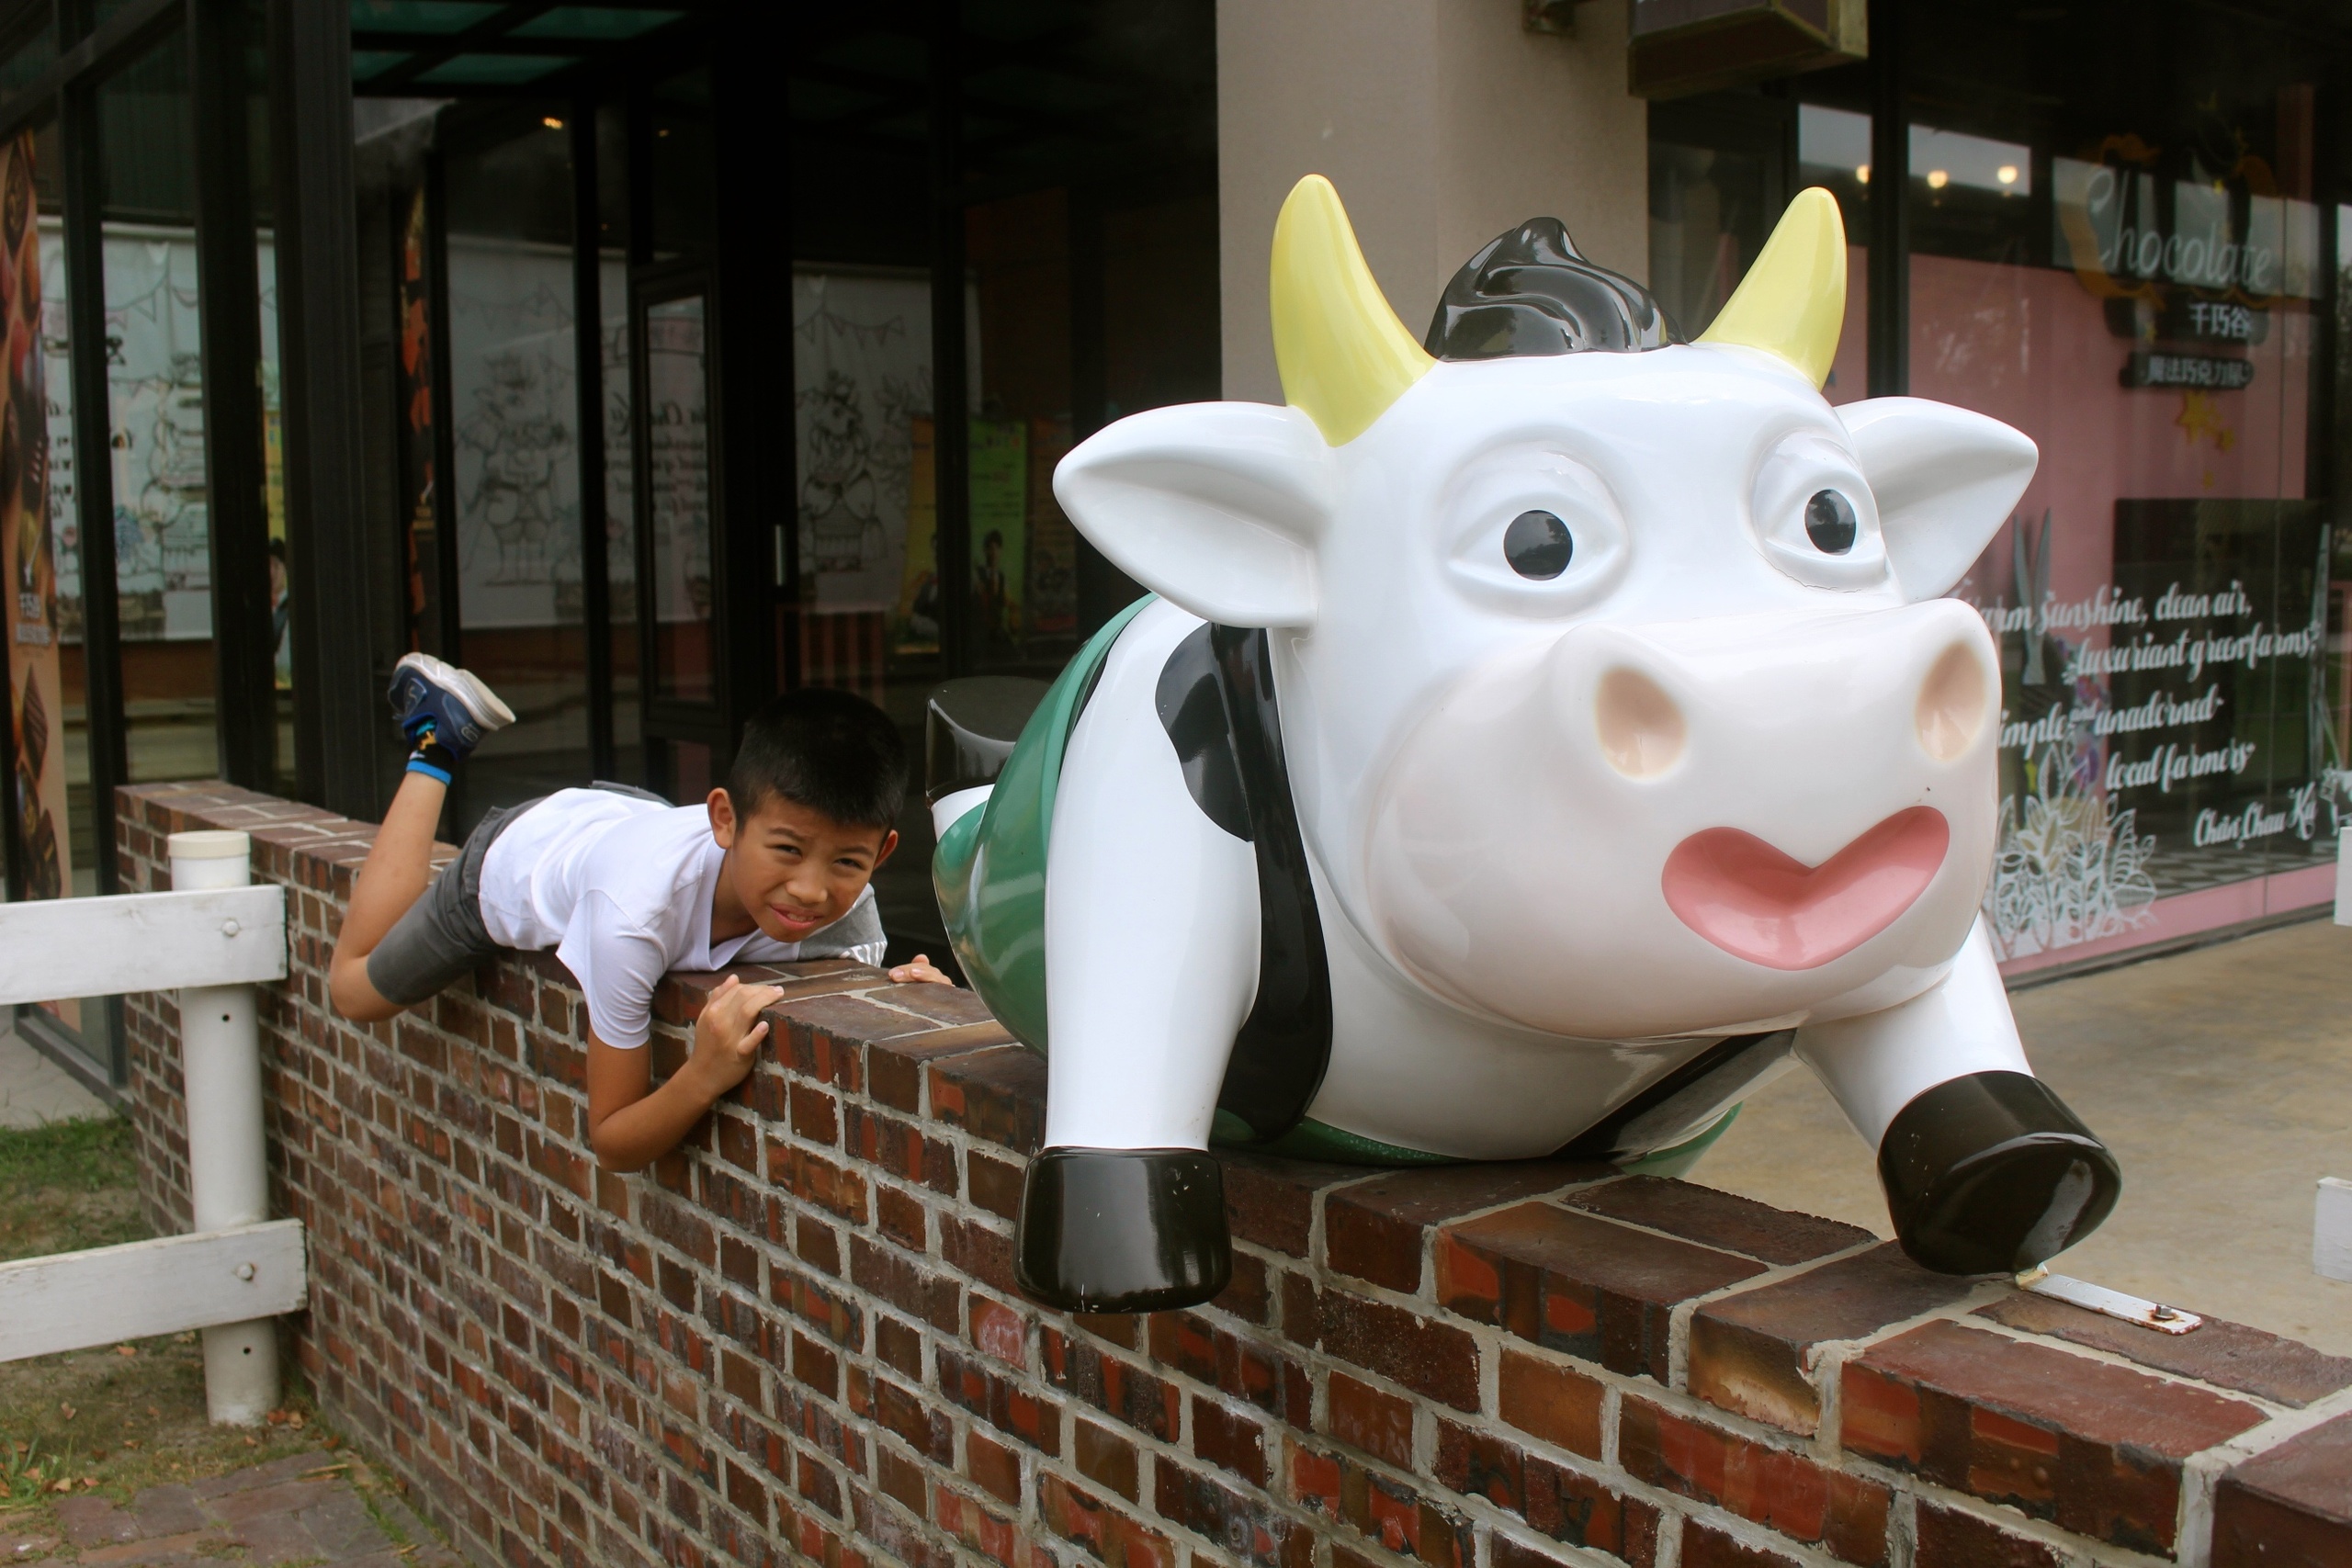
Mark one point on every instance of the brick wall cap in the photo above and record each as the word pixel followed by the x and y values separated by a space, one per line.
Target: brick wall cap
pixel 2312 1470
pixel 2229 1355
pixel 2050 1387
pixel 1720 1220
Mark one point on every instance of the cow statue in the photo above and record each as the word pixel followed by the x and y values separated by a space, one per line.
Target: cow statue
pixel 1537 737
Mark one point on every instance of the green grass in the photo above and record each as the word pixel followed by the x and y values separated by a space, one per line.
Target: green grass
pixel 68 1185
pixel 83 1157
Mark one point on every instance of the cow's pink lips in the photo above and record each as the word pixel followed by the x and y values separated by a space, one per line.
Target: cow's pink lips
pixel 1756 903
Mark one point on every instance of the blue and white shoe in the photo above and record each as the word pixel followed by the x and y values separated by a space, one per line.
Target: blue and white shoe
pixel 436 701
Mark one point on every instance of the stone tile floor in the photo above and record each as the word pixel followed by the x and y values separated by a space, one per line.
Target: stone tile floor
pixel 308 1508
pixel 2220 1076
pixel 34 1089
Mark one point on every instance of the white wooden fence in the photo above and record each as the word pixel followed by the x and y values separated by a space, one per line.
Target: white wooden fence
pixel 211 939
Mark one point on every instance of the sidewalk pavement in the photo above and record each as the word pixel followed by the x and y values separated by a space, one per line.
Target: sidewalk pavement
pixel 306 1508
pixel 2220 1076
pixel 34 1089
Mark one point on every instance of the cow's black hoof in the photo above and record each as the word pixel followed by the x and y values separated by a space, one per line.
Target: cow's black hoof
pixel 1123 1230
pixel 1991 1174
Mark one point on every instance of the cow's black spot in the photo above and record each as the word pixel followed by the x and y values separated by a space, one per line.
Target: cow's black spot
pixel 1829 522
pixel 1216 702
pixel 1538 545
pixel 1193 712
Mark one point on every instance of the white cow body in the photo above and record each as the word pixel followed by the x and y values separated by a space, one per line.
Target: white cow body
pixel 1567 830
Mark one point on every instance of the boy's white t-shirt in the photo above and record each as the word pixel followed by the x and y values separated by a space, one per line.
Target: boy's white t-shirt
pixel 620 888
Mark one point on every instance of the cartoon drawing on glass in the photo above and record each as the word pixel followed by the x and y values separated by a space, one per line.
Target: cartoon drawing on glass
pixel 1539 736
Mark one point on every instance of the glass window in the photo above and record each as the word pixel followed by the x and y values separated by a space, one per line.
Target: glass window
pixel 1718 179
pixel 1089 288
pixel 28 48
pixel 866 605
pixel 620 454
pixel 2117 251
pixel 155 410
pixel 679 492
pixel 513 431
pixel 1724 167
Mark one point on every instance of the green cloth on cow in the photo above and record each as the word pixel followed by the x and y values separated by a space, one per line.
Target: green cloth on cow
pixel 989 868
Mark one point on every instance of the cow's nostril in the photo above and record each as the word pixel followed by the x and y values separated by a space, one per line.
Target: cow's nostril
pixel 1641 729
pixel 1952 703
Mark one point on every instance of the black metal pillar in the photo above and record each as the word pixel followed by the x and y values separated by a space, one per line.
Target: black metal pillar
pixel 1100 584
pixel 83 180
pixel 588 363
pixel 229 310
pixel 339 717
pixel 450 622
pixel 1890 206
pixel 753 420
pixel 950 412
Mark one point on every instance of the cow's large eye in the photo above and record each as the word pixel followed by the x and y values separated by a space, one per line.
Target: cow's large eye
pixel 1814 514
pixel 1531 531
pixel 1538 545
pixel 1829 522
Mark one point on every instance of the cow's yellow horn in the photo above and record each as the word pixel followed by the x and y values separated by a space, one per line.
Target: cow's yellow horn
pixel 1343 354
pixel 1792 301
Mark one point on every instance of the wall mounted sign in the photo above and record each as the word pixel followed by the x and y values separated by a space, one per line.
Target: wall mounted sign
pixel 2188 321
pixel 2205 372
pixel 1680 46
pixel 2127 237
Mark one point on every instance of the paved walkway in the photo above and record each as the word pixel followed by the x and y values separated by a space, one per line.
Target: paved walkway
pixel 2222 1080
pixel 307 1508
pixel 34 1089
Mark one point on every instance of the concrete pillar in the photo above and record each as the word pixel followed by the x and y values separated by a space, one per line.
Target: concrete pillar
pixel 1443 123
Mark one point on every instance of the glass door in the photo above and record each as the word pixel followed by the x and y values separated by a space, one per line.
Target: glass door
pixel 675 458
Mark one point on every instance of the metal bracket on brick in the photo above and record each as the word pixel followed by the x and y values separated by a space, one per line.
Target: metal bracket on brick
pixel 2114 1304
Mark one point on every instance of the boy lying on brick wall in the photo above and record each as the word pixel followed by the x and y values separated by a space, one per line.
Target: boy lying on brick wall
pixel 776 865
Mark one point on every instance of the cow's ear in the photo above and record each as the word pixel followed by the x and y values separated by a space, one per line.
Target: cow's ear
pixel 1945 479
pixel 1218 507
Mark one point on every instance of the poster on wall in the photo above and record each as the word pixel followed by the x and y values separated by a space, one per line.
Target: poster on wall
pixel 514 404
pixel 419 499
pixel 155 388
pixel 999 455
pixel 862 380
pixel 678 474
pixel 1053 542
pixel 861 395
pixel 155 402
pixel 29 545
pixel 914 618
pixel 999 520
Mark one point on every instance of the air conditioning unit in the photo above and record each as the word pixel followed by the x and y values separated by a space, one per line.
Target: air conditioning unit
pixel 1681 47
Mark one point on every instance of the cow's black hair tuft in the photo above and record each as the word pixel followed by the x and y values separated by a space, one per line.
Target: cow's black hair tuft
pixel 1529 292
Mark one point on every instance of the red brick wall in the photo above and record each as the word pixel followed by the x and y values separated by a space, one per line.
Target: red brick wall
pixel 797 1340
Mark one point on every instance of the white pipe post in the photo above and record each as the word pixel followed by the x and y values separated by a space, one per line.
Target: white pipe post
pixel 2332 1229
pixel 228 1160
pixel 2343 875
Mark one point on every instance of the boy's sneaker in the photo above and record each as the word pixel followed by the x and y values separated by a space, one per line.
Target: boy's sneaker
pixel 438 702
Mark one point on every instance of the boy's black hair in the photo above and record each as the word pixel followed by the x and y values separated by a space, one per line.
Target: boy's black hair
pixel 830 750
